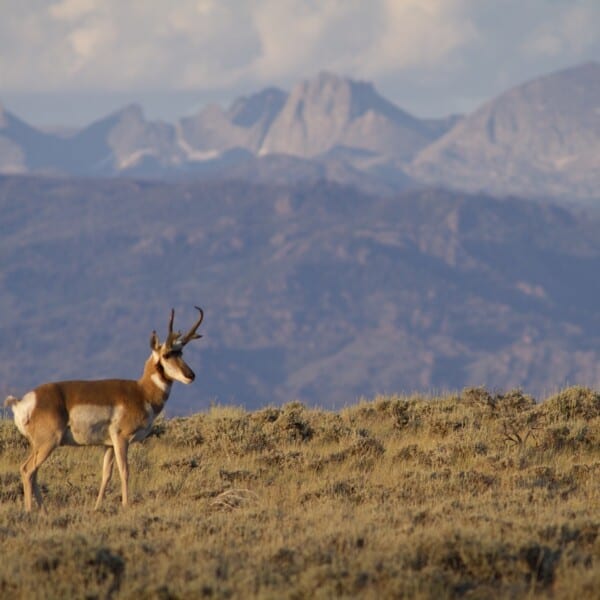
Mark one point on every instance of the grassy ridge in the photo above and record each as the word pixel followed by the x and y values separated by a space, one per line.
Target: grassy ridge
pixel 478 494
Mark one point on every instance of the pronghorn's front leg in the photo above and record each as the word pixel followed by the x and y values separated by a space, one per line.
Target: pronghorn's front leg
pixel 107 469
pixel 120 446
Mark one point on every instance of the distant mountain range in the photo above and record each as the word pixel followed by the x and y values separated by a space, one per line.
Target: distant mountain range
pixel 312 292
pixel 539 139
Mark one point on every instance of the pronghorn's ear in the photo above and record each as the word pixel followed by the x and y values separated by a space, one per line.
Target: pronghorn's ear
pixel 154 342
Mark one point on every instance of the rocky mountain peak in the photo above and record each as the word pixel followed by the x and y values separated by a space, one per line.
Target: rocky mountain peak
pixel 247 111
pixel 332 95
pixel 541 137
pixel 330 111
pixel 132 113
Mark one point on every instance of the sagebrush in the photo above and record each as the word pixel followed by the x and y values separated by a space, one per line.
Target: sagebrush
pixel 476 494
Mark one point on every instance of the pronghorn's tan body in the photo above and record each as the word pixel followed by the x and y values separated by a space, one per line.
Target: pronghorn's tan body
pixel 110 412
pixel 88 412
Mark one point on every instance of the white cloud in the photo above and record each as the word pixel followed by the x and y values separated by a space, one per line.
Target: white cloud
pixel 289 32
pixel 204 43
pixel 71 10
pixel 419 34
pixel 357 37
pixel 571 29
pixel 111 45
pixel 88 41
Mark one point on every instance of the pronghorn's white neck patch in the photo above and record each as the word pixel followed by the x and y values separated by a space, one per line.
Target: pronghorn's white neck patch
pixel 160 383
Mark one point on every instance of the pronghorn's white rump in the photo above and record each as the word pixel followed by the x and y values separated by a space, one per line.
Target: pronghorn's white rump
pixel 112 412
pixel 22 410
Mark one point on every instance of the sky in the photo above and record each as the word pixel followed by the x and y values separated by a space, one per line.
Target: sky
pixel 68 62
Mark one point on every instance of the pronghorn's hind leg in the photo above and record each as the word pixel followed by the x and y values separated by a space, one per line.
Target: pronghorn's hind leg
pixel 29 471
pixel 27 480
pixel 36 491
pixel 107 469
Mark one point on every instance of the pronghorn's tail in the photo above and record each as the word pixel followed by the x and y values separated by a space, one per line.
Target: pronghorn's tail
pixel 10 401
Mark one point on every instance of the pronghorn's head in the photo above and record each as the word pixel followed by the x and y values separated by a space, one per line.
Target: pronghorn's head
pixel 168 356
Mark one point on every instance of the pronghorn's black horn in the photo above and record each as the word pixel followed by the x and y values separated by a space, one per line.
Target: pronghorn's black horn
pixel 191 334
pixel 171 336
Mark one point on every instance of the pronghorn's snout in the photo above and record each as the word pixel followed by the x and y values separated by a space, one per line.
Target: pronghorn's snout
pixel 176 369
pixel 188 374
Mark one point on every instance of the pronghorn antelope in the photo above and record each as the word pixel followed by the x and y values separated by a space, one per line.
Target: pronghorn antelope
pixel 110 412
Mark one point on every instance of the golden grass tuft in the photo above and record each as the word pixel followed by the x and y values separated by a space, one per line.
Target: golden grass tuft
pixel 476 494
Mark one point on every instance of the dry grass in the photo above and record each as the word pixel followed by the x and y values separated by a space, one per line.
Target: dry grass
pixel 478 495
